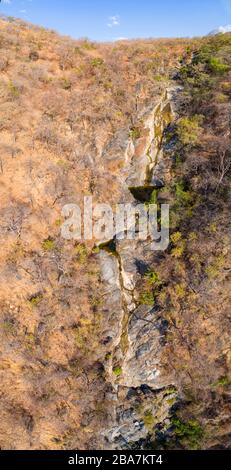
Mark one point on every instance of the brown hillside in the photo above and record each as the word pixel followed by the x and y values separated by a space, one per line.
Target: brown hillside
pixel 71 354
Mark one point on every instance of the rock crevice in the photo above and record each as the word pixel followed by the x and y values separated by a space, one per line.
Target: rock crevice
pixel 137 332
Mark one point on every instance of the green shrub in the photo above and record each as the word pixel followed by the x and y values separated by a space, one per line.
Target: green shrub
pixel 189 433
pixel 179 248
pixel 222 382
pixel 159 78
pixel 180 290
pixel 154 197
pixel 178 160
pixel 135 133
pixel 222 98
pixel 9 327
pixel 97 62
pixel 13 90
pixel 217 67
pixel 48 245
pixel 149 420
pixel 82 253
pixel 58 222
pixel 117 371
pixel 35 300
pixel 96 250
pixel 176 237
pixel 108 356
pixel 183 195
pixel 178 251
pixel 153 278
pixel 170 391
pixel 214 269
pixel 193 236
pixel 188 129
pixel 184 70
pixel 147 298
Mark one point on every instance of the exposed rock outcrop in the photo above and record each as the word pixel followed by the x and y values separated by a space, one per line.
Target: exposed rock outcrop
pixel 140 381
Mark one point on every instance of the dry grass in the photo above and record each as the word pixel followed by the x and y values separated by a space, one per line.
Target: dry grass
pixel 61 103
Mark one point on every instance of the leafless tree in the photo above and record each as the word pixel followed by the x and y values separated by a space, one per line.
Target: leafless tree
pixel 224 162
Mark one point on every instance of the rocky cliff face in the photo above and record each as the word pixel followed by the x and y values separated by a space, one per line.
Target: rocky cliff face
pixel 142 388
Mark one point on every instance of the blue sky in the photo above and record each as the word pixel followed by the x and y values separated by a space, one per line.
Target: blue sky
pixel 108 20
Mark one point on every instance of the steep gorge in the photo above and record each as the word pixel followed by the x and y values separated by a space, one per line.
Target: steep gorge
pixel 137 333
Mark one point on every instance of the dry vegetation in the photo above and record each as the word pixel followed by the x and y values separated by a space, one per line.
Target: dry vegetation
pixel 61 102
pixel 192 284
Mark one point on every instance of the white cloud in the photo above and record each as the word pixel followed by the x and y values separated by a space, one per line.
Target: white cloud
pixel 22 11
pixel 113 21
pixel 225 29
pixel 221 29
pixel 120 39
pixel 7 2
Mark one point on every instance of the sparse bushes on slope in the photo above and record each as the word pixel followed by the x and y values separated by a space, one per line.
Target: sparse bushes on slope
pixel 197 260
pixel 55 317
pixel 217 67
pixel 189 433
pixel 188 129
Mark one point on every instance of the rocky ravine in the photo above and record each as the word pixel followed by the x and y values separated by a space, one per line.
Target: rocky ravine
pixel 141 387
